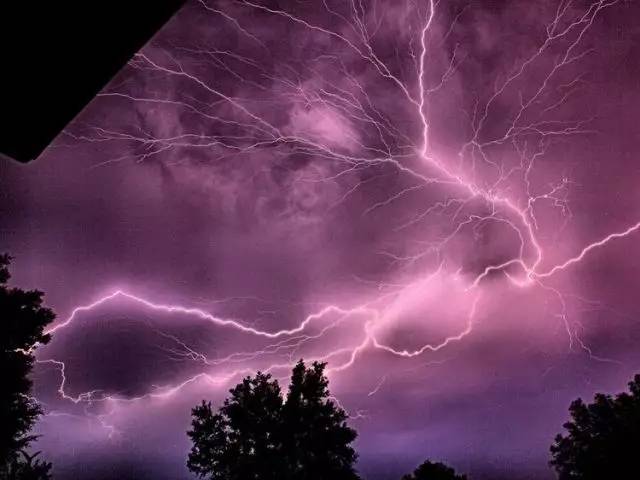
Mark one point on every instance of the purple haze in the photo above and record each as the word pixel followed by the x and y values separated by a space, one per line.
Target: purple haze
pixel 439 199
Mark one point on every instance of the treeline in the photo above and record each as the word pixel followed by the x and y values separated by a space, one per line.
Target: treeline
pixel 258 433
pixel 22 323
pixel 261 433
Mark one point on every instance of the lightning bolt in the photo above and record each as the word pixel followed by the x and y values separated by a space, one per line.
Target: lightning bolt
pixel 480 189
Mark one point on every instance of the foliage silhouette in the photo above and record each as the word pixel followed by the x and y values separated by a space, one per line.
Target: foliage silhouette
pixel 603 439
pixel 22 323
pixel 434 471
pixel 258 435
pixel 28 467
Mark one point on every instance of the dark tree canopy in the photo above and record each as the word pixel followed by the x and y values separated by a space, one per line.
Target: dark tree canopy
pixel 242 438
pixel 22 323
pixel 257 435
pixel 603 438
pixel 434 471
pixel 28 467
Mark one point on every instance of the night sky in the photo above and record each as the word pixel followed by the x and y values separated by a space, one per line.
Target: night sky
pixel 438 199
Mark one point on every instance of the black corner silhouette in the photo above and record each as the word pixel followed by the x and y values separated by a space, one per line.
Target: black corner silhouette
pixel 56 56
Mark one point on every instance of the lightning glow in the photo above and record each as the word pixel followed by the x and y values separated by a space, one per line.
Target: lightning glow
pixel 459 201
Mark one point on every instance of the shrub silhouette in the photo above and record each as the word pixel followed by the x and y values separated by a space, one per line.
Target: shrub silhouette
pixel 603 438
pixel 434 471
pixel 258 435
pixel 28 467
pixel 22 323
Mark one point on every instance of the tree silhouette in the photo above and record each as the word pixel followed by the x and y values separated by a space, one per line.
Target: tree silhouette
pixel 22 323
pixel 603 439
pixel 257 435
pixel 434 471
pixel 28 468
pixel 241 441
pixel 316 437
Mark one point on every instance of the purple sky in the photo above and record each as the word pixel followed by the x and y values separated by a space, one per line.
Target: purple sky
pixel 440 200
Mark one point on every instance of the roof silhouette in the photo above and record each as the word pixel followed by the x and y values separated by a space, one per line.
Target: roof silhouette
pixel 56 56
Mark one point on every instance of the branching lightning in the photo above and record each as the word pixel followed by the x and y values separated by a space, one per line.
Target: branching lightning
pixel 481 189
